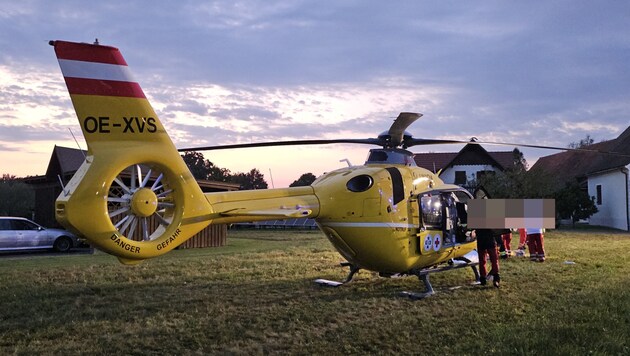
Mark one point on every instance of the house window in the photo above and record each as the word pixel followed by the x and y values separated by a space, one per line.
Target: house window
pixel 460 177
pixel 598 188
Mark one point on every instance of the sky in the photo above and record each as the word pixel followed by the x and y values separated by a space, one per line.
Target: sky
pixel 224 72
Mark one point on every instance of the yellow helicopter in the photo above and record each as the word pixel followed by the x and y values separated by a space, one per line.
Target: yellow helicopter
pixel 134 197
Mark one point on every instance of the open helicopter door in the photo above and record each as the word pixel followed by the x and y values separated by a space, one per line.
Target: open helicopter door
pixel 443 212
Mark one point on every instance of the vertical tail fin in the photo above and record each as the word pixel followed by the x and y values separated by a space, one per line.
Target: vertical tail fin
pixel 109 103
pixel 133 196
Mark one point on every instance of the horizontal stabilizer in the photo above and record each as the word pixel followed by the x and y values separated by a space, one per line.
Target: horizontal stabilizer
pixel 278 213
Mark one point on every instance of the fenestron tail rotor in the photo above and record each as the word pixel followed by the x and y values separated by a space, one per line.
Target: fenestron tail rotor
pixel 140 203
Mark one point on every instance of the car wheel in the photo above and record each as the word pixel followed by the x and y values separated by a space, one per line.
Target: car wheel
pixel 62 244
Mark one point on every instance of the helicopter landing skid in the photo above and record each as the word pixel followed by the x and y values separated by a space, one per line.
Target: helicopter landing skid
pixel 328 283
pixel 423 275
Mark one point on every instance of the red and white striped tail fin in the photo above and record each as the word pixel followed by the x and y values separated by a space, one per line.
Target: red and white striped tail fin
pixel 100 71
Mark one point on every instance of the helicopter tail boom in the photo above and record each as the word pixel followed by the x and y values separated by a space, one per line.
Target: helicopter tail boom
pixel 128 196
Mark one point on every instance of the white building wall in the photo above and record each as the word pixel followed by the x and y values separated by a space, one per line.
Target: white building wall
pixel 448 175
pixel 614 208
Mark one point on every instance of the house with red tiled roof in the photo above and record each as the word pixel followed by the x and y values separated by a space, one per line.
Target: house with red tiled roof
pixel 605 176
pixel 465 166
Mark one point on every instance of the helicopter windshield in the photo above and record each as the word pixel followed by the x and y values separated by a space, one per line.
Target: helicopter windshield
pixel 390 156
pixel 431 208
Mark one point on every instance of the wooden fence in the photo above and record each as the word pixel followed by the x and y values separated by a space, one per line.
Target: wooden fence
pixel 211 236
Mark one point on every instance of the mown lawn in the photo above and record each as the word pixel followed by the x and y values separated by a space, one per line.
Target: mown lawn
pixel 257 296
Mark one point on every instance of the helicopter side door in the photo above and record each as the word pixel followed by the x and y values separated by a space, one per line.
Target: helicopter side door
pixel 450 225
pixel 431 223
pixel 444 216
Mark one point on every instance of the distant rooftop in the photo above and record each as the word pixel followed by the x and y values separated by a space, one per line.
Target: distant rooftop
pixel 571 164
pixel 471 154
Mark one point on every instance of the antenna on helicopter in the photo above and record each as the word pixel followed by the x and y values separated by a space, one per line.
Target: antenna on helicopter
pixel 271 177
pixel 77 142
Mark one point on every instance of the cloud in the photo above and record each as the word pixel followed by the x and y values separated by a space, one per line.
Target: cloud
pixel 231 114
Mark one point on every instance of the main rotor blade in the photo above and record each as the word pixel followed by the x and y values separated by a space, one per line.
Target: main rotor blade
pixel 421 141
pixel 397 130
pixel 367 141
pixel 429 141
pixel 583 149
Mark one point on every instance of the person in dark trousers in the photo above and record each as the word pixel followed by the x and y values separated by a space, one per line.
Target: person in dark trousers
pixel 487 247
pixel 535 241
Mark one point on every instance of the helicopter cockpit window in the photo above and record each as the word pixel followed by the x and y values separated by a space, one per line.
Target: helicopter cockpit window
pixel 391 156
pixel 431 206
pixel 377 156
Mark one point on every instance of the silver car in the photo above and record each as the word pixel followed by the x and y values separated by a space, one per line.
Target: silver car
pixel 23 234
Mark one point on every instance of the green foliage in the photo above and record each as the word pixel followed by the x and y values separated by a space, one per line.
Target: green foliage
pixel 516 183
pixel 304 180
pixel 574 203
pixel 257 296
pixel 571 201
pixel 520 163
pixel 201 168
pixel 250 180
pixel 587 141
pixel 16 197
pixel 197 164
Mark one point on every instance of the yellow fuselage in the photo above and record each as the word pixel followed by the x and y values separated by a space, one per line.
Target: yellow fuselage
pixel 376 229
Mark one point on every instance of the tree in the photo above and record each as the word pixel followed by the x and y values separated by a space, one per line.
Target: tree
pixel 251 180
pixel 520 163
pixel 517 183
pixel 304 180
pixel 219 174
pixel 587 141
pixel 201 168
pixel 16 197
pixel 574 203
pixel 198 165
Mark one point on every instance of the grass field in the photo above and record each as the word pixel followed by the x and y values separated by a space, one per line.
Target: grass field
pixel 257 296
